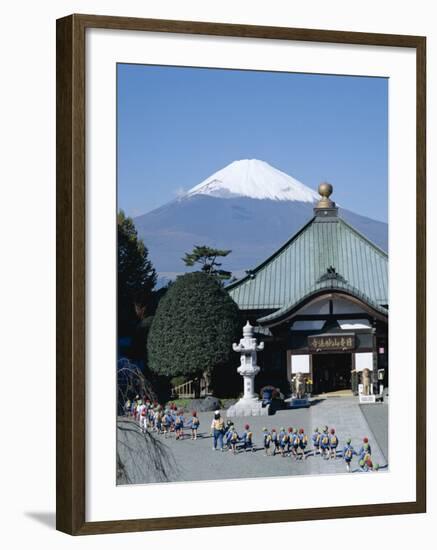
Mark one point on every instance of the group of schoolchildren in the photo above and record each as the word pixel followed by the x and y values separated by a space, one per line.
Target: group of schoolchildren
pixel 287 442
pixel 325 443
pixel 234 442
pixel 290 442
pixel 152 416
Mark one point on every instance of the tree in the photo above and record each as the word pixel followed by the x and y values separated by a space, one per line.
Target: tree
pixel 207 258
pixel 136 275
pixel 193 328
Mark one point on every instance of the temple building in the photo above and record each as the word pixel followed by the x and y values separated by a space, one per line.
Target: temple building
pixel 320 304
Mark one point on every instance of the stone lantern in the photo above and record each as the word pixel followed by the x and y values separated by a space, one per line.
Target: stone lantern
pixel 249 404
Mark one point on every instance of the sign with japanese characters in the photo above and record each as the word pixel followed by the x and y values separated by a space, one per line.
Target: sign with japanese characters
pixel 331 342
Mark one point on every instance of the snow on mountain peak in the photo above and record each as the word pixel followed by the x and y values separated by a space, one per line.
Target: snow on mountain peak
pixel 255 179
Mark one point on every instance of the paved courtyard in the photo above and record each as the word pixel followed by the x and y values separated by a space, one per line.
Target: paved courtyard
pixel 152 458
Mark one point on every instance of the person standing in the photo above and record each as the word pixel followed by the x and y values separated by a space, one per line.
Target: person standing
pixel 333 443
pixel 316 441
pixel 179 424
pixel 365 442
pixel 267 438
pixel 194 423
pixel 348 453
pixel 218 429
pixel 275 441
pixel 294 443
pixel 365 458
pixel 235 438
pixel 284 441
pixel 303 442
pixel 325 451
pixel 248 439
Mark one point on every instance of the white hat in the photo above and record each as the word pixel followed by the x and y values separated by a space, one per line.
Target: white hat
pixel 216 412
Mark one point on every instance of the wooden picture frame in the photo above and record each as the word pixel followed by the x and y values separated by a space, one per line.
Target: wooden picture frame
pixel 71 254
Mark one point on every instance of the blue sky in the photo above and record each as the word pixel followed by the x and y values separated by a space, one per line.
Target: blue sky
pixel 178 125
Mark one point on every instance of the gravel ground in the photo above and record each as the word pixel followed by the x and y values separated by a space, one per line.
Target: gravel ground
pixel 152 458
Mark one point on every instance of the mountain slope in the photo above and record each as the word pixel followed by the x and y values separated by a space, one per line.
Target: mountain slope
pixel 231 210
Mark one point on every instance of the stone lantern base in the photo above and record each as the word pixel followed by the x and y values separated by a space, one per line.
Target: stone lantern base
pixel 248 407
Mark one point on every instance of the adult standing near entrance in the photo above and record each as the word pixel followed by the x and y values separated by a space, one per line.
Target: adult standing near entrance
pixel 218 430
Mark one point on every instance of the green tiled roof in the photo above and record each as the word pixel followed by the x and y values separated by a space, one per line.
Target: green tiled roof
pixel 300 268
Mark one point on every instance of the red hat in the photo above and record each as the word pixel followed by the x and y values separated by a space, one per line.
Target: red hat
pixel 332 431
pixel 246 426
pixel 365 440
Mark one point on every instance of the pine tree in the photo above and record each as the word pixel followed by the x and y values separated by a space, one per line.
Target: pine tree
pixel 136 276
pixel 207 258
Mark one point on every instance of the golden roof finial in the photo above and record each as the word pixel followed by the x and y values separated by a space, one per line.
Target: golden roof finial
pixel 325 191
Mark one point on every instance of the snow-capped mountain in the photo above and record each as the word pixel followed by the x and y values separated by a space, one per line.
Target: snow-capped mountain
pixel 248 206
pixel 254 179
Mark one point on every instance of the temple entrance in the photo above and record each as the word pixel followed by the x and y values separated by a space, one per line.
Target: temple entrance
pixel 331 372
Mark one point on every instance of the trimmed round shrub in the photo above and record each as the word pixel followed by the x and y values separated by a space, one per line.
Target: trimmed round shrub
pixel 194 327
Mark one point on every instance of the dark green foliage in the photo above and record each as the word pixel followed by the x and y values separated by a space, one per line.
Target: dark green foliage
pixel 207 258
pixel 138 349
pixel 136 276
pixel 194 327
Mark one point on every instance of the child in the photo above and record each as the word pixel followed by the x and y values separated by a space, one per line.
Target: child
pixel 365 460
pixel 195 422
pixel 267 438
pixel 140 412
pixel 333 443
pixel 284 441
pixel 316 441
pixel 365 442
pixel 133 408
pixel 303 442
pixel 143 418
pixel 348 453
pixel 324 444
pixel 158 420
pixel 173 414
pixel 166 423
pixel 150 418
pixel 179 424
pixel 294 442
pixel 247 439
pixel 137 407
pixel 275 441
pixel 228 434
pixel 234 439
